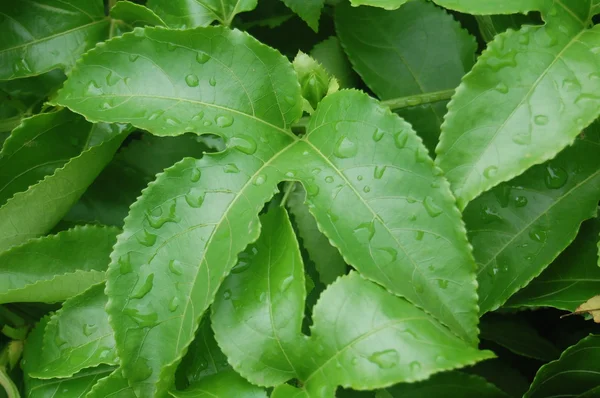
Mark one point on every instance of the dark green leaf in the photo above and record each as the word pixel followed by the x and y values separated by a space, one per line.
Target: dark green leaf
pixel 308 10
pixel 330 54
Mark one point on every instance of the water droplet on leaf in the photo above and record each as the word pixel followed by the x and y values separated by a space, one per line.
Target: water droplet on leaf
pixel 192 80
pixel 345 148
pixel 145 288
pixel 385 359
pixel 431 207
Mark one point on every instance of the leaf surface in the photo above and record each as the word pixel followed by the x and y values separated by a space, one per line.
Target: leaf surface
pixel 269 314
pixel 489 7
pixel 401 53
pixel 308 10
pixel 135 14
pixel 521 226
pixel 54 268
pixel 497 125
pixel 224 384
pixel 576 372
pixel 112 386
pixel 41 35
pixel 77 337
pixel 182 14
pixel 331 55
pixel 570 280
pixel 445 385
pixel 386 4
pixel 327 258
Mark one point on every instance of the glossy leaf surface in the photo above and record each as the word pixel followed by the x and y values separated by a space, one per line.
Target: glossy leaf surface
pixel 135 14
pixel 402 53
pixel 570 280
pixel 193 13
pixel 41 35
pixel 495 6
pixel 520 227
pixel 272 266
pixel 112 386
pixel 576 372
pixel 224 384
pixel 77 337
pixel 445 385
pixel 54 268
pixel 497 125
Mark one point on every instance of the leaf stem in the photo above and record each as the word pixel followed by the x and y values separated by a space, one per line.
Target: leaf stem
pixel 289 188
pixel 11 389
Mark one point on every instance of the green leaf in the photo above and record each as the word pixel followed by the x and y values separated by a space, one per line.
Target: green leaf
pixel 108 199
pixel 517 335
pixel 576 372
pixel 377 196
pixel 330 54
pixel 203 358
pixel 521 226
pixel 327 259
pixel 570 280
pixel 445 385
pixel 42 144
pixel 490 26
pixel 498 126
pixel 54 268
pixel 135 14
pixel 224 384
pixel 308 10
pixel 314 79
pixel 78 336
pixel 41 35
pixel 34 212
pixel 489 7
pixel 499 372
pixel 74 387
pixel 364 338
pixel 386 4
pixel 269 314
pixel 381 44
pixel 185 14
pixel 112 386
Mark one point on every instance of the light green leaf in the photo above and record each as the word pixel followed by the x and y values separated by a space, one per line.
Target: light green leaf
pixel 364 338
pixel 490 26
pixel 498 126
pixel 42 144
pixel 308 10
pixel 221 385
pixel 269 314
pixel 327 259
pixel 74 387
pixel 330 54
pixel 314 79
pixel 386 4
pixel 517 335
pixel 182 14
pixel 41 35
pixel 34 212
pixel 135 14
pixel 54 268
pixel 570 280
pixel 108 199
pixel 445 385
pixel 394 54
pixel 576 372
pixel 77 337
pixel 358 155
pixel 112 386
pixel 203 358
pixel 521 226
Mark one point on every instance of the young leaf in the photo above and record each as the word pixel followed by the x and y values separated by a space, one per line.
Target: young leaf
pixel 42 144
pixel 364 338
pixel 54 268
pixel 182 14
pixel 36 211
pixel 330 54
pixel 41 35
pixel 521 226
pixel 135 14
pixel 447 384
pixel 570 280
pixel 576 372
pixel 327 259
pixel 314 79
pixel 112 386
pixel 308 10
pixel 224 384
pixel 78 336
pixel 270 313
pixel 108 199
pixel 498 126
pixel 393 53
pixel 517 335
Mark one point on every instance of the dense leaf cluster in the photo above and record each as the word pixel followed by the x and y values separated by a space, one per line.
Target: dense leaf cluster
pixel 299 198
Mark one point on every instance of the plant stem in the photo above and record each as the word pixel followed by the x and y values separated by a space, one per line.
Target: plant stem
pixel 11 389
pixel 289 188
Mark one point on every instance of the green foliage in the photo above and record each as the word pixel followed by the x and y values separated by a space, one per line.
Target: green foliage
pixel 151 152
